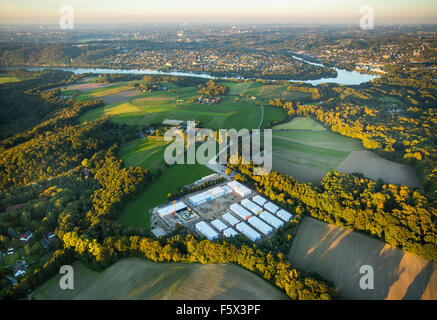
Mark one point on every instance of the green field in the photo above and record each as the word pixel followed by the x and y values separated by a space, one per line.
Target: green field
pixel 301 123
pixel 155 107
pixel 251 88
pixel 309 151
pixel 6 78
pixel 10 259
pixel 139 279
pixel 147 153
pixel 136 212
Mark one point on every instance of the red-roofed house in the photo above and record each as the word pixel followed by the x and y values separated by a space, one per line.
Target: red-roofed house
pixel 26 237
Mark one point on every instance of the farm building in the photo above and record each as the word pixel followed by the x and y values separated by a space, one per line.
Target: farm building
pixel 240 211
pixel 260 225
pixel 284 215
pixel 271 207
pixel 252 207
pixel 229 218
pixel 206 196
pixel 248 231
pixel 229 232
pixel 239 189
pixel 176 207
pixel 271 219
pixel 203 228
pixel 259 200
pixel 219 225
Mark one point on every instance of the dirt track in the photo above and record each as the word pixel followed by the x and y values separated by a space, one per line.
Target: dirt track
pixel 337 254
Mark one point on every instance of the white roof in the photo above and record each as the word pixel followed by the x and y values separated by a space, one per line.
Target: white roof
pixel 260 225
pixel 220 226
pixel 206 230
pixel 214 175
pixel 229 218
pixel 248 231
pixel 158 232
pixel 254 208
pixel 171 208
pixel 227 189
pixel 259 200
pixel 284 215
pixel 240 211
pixel 229 232
pixel 207 195
pixel 271 207
pixel 239 188
pixel 271 219
pixel 216 191
pixel 197 198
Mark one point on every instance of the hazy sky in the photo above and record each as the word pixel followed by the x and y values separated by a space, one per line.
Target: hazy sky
pixel 284 11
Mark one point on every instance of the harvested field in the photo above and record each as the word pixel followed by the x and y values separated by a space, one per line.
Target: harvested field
pixel 139 279
pixel 120 97
pixel 89 86
pixel 374 167
pixel 272 91
pixel 337 254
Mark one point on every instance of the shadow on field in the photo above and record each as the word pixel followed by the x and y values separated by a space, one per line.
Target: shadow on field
pixel 416 288
pixel 337 254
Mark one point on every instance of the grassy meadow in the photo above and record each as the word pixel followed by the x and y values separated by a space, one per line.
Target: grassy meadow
pixel 136 212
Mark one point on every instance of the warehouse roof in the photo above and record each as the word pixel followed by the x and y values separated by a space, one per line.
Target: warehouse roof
pixel 253 207
pixel 259 200
pixel 239 188
pixel 171 208
pixel 248 231
pixel 271 219
pixel 206 230
pixel 240 211
pixel 219 225
pixel 229 218
pixel 271 207
pixel 229 232
pixel 260 225
pixel 284 215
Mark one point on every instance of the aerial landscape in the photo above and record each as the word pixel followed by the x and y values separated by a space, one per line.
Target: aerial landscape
pixel 125 137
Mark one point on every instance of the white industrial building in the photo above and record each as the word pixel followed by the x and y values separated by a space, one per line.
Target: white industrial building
pixel 271 219
pixel 252 207
pixel 240 211
pixel 260 225
pixel 259 200
pixel 284 215
pixel 210 177
pixel 206 230
pixel 229 218
pixel 206 196
pixel 239 189
pixel 271 207
pixel 176 207
pixel 248 231
pixel 229 232
pixel 219 225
